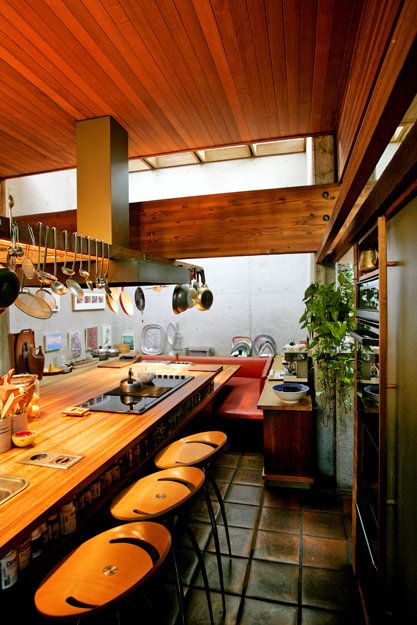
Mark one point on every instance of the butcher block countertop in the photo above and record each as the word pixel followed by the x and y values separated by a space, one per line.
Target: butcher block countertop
pixel 102 438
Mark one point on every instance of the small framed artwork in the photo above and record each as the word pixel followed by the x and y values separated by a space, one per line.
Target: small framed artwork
pixel 91 339
pixel 130 340
pixel 106 336
pixel 92 300
pixel 52 342
pixel 75 343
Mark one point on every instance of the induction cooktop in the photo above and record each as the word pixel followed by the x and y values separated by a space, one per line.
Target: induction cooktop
pixel 139 400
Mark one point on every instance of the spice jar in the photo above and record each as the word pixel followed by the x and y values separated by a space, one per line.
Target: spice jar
pixel 67 518
pixel 8 569
pixel 23 554
pixel 53 525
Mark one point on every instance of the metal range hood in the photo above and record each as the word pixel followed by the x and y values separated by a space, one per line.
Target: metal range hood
pixel 103 205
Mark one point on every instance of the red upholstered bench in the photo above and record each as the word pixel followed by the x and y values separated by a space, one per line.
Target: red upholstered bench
pixel 239 397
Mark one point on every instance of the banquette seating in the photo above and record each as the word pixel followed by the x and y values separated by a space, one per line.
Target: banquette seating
pixel 238 398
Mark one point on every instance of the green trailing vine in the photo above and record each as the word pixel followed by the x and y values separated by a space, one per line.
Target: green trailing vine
pixel 329 318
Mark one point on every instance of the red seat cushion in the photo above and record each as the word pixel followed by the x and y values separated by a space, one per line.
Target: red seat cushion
pixel 241 400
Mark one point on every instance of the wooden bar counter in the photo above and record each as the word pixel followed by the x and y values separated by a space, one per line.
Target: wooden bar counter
pixel 288 438
pixel 102 438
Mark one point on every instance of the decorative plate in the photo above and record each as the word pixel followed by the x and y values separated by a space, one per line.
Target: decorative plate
pixel 152 340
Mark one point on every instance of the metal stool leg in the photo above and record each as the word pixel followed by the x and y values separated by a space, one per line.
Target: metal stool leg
pixel 222 508
pixel 200 558
pixel 179 585
pixel 216 542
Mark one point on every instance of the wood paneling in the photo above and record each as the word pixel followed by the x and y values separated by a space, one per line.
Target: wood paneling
pixel 176 74
pixel 393 91
pixel 270 221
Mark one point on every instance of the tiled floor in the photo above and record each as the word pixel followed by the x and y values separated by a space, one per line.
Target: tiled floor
pixel 291 555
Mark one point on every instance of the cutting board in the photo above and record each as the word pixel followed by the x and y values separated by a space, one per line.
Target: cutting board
pixel 116 364
pixel 23 340
pixel 203 367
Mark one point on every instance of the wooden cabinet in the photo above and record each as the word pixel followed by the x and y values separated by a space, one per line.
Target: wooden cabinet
pixel 369 530
pixel 288 438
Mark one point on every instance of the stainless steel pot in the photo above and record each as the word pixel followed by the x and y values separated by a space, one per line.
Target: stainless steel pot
pixel 105 352
pixel 204 295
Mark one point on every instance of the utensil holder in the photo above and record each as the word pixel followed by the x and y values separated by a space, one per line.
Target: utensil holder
pixel 19 422
pixel 5 434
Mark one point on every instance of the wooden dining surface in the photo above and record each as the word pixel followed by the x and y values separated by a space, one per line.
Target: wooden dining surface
pixel 100 437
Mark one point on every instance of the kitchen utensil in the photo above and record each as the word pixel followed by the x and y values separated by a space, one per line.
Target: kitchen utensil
pixel 368 260
pixel 152 339
pixel 181 298
pixel 42 293
pixel 9 287
pixel 36 361
pixel 28 267
pixel 57 286
pixel 204 298
pixel 10 404
pixel 68 271
pixel 22 340
pixel 14 251
pixel 32 305
pixel 82 272
pixel 112 299
pixel 126 302
pixel 104 282
pixel 129 384
pixel 43 276
pixel 290 393
pixel 140 299
pixel 88 280
pixel 72 284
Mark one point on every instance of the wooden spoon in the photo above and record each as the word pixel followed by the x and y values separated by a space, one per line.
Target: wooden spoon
pixel 10 404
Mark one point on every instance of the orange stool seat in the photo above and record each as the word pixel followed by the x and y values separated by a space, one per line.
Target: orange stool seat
pixel 103 569
pixel 191 450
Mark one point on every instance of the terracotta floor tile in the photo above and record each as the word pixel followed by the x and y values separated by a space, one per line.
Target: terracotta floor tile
pixel 242 493
pixel 325 524
pixel 198 510
pixel 223 474
pixel 266 613
pixel 251 461
pixel 277 546
pixel 196 609
pixel 276 498
pixel 333 590
pixel 227 459
pixel 314 616
pixel 240 541
pixel 274 581
pixel 222 486
pixel 324 501
pixel 280 520
pixel 329 553
pixel 234 570
pixel 187 563
pixel 248 476
pixel 240 515
pixel 201 532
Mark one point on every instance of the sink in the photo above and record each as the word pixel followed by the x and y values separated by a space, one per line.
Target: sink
pixel 10 486
pixel 55 460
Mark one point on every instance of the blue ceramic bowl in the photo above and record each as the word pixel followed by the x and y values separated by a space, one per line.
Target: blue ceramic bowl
pixel 290 392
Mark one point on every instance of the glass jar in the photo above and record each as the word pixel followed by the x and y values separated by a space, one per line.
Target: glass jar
pixel 8 569
pixel 67 518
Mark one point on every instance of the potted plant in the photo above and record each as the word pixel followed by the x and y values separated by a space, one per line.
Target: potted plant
pixel 329 318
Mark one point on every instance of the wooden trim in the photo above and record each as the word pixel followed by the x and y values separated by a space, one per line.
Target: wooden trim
pixel 394 90
pixel 397 185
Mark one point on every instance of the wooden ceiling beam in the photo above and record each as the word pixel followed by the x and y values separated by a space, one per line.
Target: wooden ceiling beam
pixel 394 89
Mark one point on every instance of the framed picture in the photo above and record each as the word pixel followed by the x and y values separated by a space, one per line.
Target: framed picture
pixel 75 343
pixel 52 342
pixel 130 340
pixel 106 336
pixel 93 300
pixel 91 339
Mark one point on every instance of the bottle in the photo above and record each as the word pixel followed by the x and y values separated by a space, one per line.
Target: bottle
pixel 67 518
pixel 36 543
pixel 53 525
pixel 23 554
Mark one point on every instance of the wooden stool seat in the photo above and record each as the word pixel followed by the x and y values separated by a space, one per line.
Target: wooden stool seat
pixel 157 494
pixel 103 569
pixel 191 450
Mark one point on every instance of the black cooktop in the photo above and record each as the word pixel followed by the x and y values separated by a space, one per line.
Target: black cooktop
pixel 139 400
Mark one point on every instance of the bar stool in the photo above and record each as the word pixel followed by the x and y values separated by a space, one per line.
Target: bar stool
pixel 103 570
pixel 162 494
pixel 199 449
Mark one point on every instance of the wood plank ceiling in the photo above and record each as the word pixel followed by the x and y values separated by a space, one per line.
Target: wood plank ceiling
pixel 176 74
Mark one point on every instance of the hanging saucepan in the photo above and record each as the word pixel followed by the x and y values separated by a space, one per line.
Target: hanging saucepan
pixel 181 298
pixel 126 302
pixel 9 287
pixel 204 295
pixel 140 299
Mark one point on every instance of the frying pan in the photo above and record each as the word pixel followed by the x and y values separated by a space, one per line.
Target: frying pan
pixel 126 302
pixel 9 287
pixel 140 299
